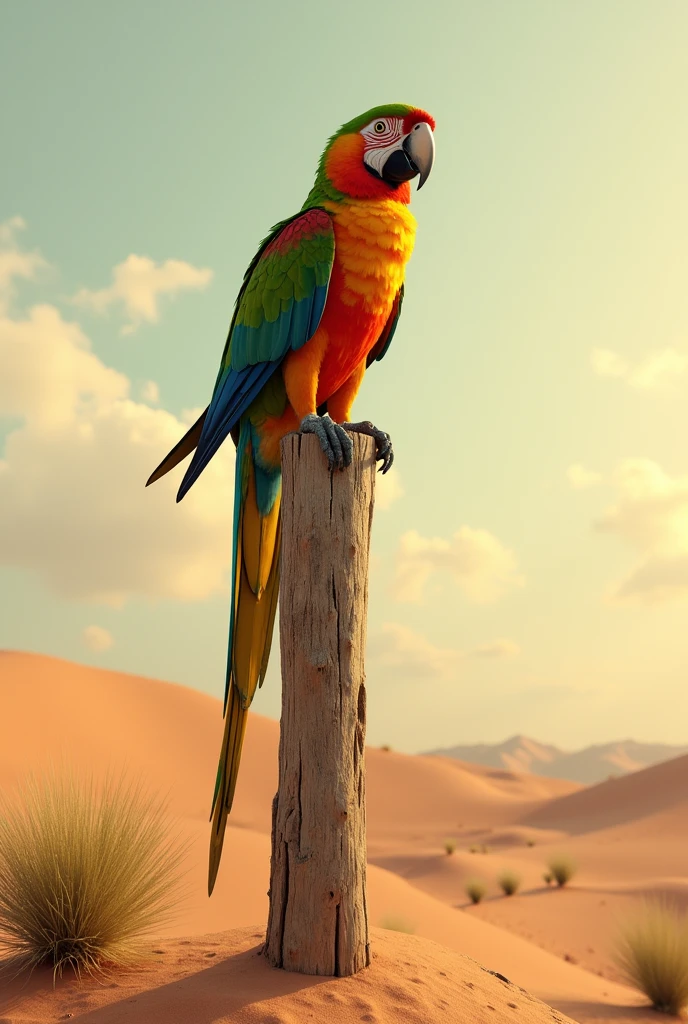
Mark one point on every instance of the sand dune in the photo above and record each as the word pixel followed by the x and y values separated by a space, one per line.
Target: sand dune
pixel 169 735
pixel 100 719
pixel 617 801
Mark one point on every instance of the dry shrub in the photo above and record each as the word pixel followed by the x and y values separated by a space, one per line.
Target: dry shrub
pixel 652 952
pixel 397 924
pixel 449 846
pixel 509 882
pixel 475 890
pixel 547 877
pixel 85 873
pixel 561 868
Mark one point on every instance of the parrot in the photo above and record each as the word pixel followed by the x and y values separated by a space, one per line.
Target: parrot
pixel 319 302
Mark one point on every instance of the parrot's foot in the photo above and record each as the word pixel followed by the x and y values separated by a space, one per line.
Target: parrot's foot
pixel 334 440
pixel 383 443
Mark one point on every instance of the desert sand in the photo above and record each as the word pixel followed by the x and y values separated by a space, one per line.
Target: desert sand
pixel 223 979
pixel 553 943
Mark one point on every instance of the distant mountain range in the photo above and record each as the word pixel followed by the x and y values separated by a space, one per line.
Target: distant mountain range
pixel 590 765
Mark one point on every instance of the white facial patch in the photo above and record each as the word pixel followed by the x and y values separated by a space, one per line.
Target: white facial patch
pixel 382 137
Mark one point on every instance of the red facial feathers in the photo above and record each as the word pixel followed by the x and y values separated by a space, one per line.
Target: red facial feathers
pixel 414 116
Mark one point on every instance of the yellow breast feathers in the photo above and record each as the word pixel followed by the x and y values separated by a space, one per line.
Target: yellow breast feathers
pixel 373 243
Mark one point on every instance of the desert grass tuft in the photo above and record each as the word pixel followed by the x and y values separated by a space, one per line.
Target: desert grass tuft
pixel 548 878
pixel 562 869
pixel 475 890
pixel 86 873
pixel 652 951
pixel 509 882
pixel 449 846
pixel 397 924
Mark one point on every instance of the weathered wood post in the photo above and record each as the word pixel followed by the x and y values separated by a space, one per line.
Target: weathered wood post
pixel 318 921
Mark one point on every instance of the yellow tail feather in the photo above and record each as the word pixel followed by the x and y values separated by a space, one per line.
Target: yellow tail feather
pixel 256 586
pixel 232 742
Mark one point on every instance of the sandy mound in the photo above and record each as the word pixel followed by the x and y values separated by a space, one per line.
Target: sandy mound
pixel 222 978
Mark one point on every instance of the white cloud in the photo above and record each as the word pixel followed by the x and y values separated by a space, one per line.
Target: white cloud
pixel 150 392
pixel 49 374
pixel 580 477
pixel 73 505
pixel 138 283
pixel 479 563
pixel 388 489
pixel 406 654
pixel 14 262
pixel 658 368
pixel 655 370
pixel 498 649
pixel 97 638
pixel 607 363
pixel 651 516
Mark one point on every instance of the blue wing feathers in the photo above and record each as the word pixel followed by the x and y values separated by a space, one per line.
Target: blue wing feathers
pixel 231 399
pixel 317 308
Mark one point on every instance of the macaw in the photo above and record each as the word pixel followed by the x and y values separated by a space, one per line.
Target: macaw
pixel 319 303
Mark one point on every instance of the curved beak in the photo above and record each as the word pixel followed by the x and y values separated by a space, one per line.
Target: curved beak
pixel 419 146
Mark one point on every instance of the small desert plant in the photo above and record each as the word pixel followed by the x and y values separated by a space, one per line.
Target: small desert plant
pixel 562 869
pixel 548 877
pixel 530 842
pixel 509 882
pixel 449 846
pixel 475 890
pixel 397 924
pixel 84 873
pixel 385 748
pixel 652 952
pixel 472 849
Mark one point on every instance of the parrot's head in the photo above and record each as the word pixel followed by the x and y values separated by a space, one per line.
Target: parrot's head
pixel 376 155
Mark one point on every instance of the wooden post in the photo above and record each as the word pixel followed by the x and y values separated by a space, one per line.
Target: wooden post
pixel 318 921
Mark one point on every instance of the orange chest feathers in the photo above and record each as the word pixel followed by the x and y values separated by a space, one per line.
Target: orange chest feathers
pixel 373 243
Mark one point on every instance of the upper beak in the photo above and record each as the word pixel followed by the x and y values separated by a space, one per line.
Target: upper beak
pixel 419 146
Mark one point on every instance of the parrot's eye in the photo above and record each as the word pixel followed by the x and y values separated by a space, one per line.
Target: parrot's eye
pixel 380 127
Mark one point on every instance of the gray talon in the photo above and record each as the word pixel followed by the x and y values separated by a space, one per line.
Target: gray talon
pixel 383 443
pixel 334 440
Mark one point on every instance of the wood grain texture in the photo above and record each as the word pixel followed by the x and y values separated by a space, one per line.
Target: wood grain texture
pixel 318 920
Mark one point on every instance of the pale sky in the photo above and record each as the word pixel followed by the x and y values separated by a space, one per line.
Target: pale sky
pixel 530 568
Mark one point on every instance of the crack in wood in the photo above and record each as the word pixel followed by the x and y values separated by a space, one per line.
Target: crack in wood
pixel 298 796
pixel 283 908
pixel 337 972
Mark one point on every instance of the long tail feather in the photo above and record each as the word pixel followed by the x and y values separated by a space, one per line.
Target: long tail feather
pixel 180 450
pixel 227 771
pixel 257 538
